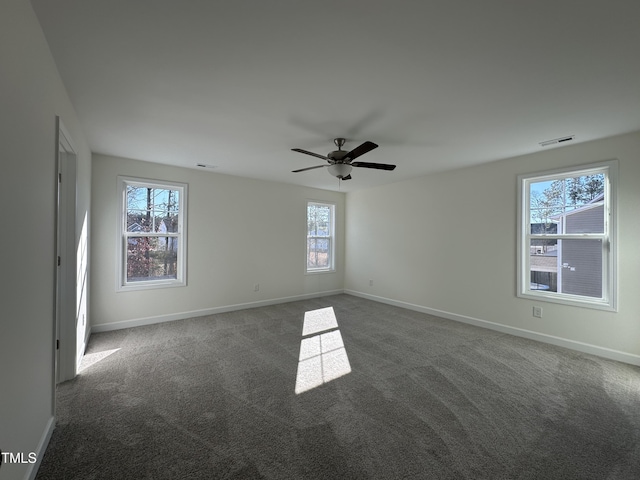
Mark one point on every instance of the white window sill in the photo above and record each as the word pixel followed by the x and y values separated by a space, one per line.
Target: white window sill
pixel 570 300
pixel 130 287
pixel 320 270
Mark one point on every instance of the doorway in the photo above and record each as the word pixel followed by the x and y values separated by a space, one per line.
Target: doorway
pixel 68 295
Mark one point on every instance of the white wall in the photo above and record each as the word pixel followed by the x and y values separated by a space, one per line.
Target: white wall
pixel 240 232
pixel 448 242
pixel 31 95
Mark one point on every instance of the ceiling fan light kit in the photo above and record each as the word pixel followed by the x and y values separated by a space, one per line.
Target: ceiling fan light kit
pixel 340 170
pixel 341 162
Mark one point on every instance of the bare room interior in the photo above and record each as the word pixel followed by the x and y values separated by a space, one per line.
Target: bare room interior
pixel 320 239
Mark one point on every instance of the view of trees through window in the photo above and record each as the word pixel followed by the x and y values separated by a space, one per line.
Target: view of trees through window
pixel 152 219
pixel 563 207
pixel 319 236
pixel 551 198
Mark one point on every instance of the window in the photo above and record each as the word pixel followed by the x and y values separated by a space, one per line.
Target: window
pixel 151 234
pixel 320 237
pixel 567 248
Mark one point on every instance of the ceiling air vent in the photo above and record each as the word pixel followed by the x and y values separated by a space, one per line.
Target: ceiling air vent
pixel 557 140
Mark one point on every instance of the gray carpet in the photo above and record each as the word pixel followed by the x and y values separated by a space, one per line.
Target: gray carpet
pixel 413 397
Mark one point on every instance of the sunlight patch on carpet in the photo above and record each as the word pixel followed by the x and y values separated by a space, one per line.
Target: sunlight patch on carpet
pixel 320 320
pixel 90 359
pixel 322 354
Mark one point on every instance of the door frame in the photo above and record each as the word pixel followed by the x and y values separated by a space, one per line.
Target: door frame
pixel 65 364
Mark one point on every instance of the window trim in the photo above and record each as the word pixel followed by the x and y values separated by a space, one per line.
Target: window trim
pixel 609 237
pixel 121 250
pixel 331 238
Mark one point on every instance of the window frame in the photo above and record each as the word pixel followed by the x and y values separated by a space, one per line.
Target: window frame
pixel 608 301
pixel 331 238
pixel 122 284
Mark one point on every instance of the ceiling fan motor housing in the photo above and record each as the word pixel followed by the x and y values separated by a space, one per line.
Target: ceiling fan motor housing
pixel 337 155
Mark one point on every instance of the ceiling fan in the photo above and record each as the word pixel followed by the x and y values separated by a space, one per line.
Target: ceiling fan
pixel 341 161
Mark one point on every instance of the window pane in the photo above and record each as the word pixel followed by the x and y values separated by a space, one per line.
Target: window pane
pixel 151 258
pixel 585 220
pixel 152 209
pixel 166 223
pixel 560 200
pixel 566 266
pixel 581 264
pixel 139 221
pixel 164 201
pixel 543 263
pixel 136 197
pixel 318 253
pixel 544 227
pixel 318 220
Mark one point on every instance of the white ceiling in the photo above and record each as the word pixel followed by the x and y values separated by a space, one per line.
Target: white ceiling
pixel 437 84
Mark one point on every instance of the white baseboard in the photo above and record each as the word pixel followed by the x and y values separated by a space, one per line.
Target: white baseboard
pixel 519 332
pixel 32 471
pixel 137 322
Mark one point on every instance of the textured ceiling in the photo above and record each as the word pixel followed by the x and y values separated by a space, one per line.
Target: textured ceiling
pixel 437 84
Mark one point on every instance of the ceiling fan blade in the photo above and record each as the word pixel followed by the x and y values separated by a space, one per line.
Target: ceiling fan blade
pixel 361 150
pixel 299 150
pixel 308 168
pixel 378 166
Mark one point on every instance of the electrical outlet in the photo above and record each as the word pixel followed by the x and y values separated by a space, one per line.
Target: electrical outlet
pixel 256 287
pixel 537 312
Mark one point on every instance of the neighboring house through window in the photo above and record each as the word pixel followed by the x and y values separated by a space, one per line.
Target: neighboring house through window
pixel 320 237
pixel 567 248
pixel 151 234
